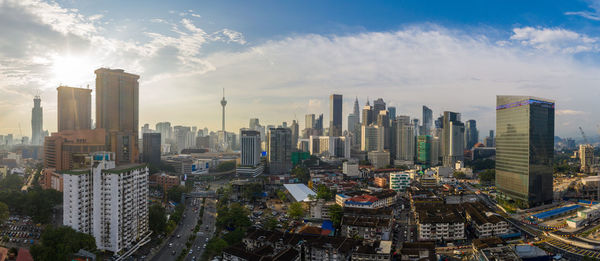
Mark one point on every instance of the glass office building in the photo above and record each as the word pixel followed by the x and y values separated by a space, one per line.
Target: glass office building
pixel 524 149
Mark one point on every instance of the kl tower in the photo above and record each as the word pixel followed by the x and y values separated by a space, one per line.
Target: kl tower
pixel 224 145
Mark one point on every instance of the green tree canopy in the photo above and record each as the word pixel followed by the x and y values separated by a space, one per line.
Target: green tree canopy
pixel 301 173
pixel 487 176
pixel 460 175
pixel 4 214
pixel 12 182
pixel 336 212
pixel 270 222
pixel 175 193
pixel 157 219
pixel 236 216
pixel 234 236
pixel 252 191
pixel 226 166
pixel 323 192
pixel 296 210
pixel 215 247
pixel 281 195
pixel 58 244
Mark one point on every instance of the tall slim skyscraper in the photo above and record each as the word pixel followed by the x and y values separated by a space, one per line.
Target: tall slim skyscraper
pixel 165 130
pixel 151 148
pixel 295 134
pixel 309 121
pixel 356 109
pixel 335 115
pixel 427 120
pixel 223 104
pixel 405 141
pixel 279 150
pixel 450 140
pixel 525 149
pixel 74 108
pixel 117 110
pixel 471 134
pixel 37 122
pixel 392 112
pixel 319 124
pixel 367 115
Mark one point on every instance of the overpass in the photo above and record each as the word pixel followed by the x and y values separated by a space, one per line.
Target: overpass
pixel 199 194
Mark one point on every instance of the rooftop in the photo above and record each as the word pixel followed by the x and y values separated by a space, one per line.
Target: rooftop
pixel 300 192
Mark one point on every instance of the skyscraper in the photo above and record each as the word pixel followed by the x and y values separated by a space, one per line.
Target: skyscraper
pixel 356 109
pixel 405 141
pixel 378 105
pixel 309 121
pixel 471 134
pixel 151 148
pixel 279 150
pixel 367 115
pixel 446 135
pixel 250 148
pixel 524 149
pixel 117 109
pixel 335 115
pixel 392 112
pixel 372 138
pixel 427 120
pixel 319 124
pixel 74 108
pixel 37 122
pixel 165 130
pixel 295 134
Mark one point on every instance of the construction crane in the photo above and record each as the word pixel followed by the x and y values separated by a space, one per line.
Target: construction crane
pixel 583 134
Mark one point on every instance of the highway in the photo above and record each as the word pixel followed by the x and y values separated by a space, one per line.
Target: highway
pixel 206 230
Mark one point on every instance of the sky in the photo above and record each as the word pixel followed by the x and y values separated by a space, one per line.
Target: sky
pixel 279 60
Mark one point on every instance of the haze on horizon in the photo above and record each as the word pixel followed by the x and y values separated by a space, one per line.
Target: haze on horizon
pixel 279 61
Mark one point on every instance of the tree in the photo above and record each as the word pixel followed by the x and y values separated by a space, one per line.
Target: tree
pixel 251 191
pixel 3 213
pixel 215 246
pixel 336 212
pixel 301 173
pixel 226 166
pixel 460 175
pixel 234 236
pixel 60 243
pixel 270 222
pixel 157 219
pixel 487 176
pixel 12 182
pixel 323 192
pixel 281 195
pixel 236 216
pixel 175 193
pixel 296 210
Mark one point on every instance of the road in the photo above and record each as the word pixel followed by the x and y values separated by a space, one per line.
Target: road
pixel 182 232
pixel 206 230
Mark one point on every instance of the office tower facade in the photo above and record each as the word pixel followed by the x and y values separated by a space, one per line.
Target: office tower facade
pixel 525 149
pixel 335 115
pixel 392 112
pixel 68 149
pixel 427 121
pixel 37 122
pixel 250 148
pixel 165 130
pixel 471 134
pixel 446 135
pixel 456 144
pixel 108 202
pixel 151 148
pixel 424 147
pixel 356 108
pixel 378 105
pixel 405 143
pixel 416 126
pixel 309 121
pixel 372 138
pixel 353 123
pixel 117 110
pixel 279 150
pixel 295 134
pixel 319 124
pixel 367 115
pixel 338 147
pixel 74 108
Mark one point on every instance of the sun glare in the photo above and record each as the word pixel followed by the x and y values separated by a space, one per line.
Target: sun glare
pixel 72 70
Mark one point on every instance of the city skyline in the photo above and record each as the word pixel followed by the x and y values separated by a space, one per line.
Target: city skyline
pixel 189 52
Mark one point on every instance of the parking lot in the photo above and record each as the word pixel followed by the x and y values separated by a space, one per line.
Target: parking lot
pixel 19 231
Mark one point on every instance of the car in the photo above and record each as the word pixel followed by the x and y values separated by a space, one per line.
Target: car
pixel 178 236
pixel 204 246
pixel 173 252
pixel 170 244
pixel 191 251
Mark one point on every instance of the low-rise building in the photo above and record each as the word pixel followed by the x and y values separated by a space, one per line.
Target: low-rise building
pixel 380 250
pixel 493 249
pixel 439 222
pixel 485 224
pixel 350 169
pixel 164 181
pixel 50 179
pixel 418 251
pixel 319 209
pixel 369 228
pixel 399 181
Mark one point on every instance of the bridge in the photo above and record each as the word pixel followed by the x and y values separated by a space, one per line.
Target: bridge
pixel 199 194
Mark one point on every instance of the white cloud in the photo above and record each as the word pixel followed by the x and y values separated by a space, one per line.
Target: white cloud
pixel 555 40
pixel 592 15
pixel 569 112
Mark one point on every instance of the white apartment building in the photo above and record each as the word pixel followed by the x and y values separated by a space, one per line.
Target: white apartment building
pixel 108 202
pixel 399 181
pixel 439 223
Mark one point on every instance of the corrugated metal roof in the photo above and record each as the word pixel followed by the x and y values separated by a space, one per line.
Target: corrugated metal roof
pixel 300 192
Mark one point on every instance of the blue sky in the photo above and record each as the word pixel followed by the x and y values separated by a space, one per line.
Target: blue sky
pixel 279 60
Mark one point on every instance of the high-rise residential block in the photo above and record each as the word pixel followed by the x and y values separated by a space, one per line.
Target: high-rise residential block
pixel 74 108
pixel 165 130
pixel 448 150
pixel 295 134
pixel 117 110
pixel 279 150
pixel 37 122
pixel 151 148
pixel 524 149
pixel 68 149
pixel 108 202
pixel 335 115
pixel 372 138
pixel 586 157
pixel 405 143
